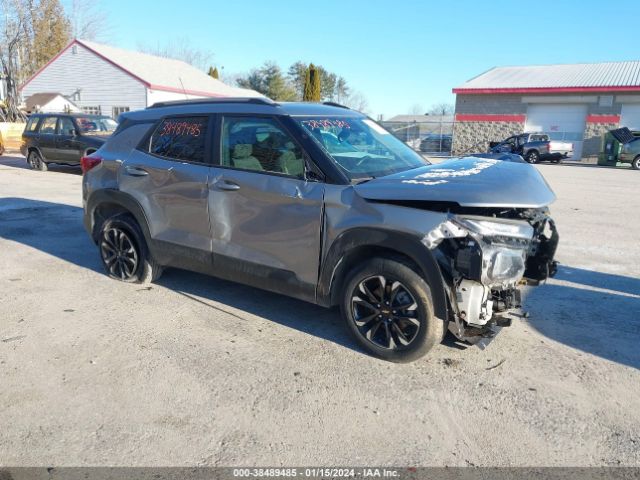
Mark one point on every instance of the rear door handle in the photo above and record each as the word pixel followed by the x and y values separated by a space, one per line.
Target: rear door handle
pixel 226 185
pixel 136 171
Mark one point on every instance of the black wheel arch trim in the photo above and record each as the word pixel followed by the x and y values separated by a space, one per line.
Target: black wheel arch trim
pixel 332 272
pixel 124 200
pixel 37 149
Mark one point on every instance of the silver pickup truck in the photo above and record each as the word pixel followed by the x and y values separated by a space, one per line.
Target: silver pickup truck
pixel 534 147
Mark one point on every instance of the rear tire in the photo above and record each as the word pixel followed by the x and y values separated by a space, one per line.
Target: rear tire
pixel 124 252
pixel 36 162
pixel 532 157
pixel 635 164
pixel 393 318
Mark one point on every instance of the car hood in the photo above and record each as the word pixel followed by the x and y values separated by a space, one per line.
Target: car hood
pixel 469 182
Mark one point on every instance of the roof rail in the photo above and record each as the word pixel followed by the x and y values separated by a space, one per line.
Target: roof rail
pixel 196 101
pixel 334 104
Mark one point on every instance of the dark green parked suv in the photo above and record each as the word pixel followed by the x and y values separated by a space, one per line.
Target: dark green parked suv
pixel 63 137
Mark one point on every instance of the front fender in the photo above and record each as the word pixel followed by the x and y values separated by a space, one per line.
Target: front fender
pixel 333 268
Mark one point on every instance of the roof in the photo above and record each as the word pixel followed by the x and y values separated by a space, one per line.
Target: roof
pixel 244 105
pixel 40 99
pixel 159 73
pixel 579 77
pixel 68 114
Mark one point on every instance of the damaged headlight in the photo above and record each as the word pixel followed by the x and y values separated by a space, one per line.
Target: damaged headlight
pixel 496 257
pixel 502 266
pixel 506 229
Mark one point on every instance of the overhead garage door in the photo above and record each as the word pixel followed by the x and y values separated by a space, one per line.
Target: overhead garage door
pixel 560 122
pixel 630 117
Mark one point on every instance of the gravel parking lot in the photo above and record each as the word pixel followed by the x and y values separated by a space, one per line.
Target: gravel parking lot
pixel 198 371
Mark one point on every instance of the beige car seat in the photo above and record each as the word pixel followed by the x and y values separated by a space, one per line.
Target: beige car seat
pixel 241 157
pixel 290 164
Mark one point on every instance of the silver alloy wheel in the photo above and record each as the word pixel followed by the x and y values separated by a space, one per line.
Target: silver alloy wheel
pixel 119 253
pixel 385 312
pixel 532 157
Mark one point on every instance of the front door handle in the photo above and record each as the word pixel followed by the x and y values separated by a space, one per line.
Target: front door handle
pixel 136 171
pixel 226 185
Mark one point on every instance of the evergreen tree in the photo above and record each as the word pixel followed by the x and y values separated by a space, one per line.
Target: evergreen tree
pixel 312 85
pixel 307 95
pixel 213 73
pixel 316 83
pixel 270 81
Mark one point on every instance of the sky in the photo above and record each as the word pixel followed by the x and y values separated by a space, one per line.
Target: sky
pixel 400 54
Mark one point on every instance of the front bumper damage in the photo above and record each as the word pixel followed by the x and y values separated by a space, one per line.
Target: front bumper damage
pixel 485 260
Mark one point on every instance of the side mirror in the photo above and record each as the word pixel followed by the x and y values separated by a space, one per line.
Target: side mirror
pixel 312 173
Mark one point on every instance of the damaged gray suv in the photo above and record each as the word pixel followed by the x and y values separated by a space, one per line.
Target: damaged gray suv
pixel 319 202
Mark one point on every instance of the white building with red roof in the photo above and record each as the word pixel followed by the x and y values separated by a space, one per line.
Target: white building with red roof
pixel 108 80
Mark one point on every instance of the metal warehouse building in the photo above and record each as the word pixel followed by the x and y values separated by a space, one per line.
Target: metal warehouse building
pixel 576 103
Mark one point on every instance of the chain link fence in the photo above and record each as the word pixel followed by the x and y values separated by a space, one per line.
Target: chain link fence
pixel 429 138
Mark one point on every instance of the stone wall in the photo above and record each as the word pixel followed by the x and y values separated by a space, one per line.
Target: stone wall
pixel 474 137
pixel 593 137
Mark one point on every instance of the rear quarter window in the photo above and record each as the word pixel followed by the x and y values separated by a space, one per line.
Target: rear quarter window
pixel 32 124
pixel 180 138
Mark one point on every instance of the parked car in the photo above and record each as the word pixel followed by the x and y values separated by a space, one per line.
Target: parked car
pixel 630 153
pixel 534 147
pixel 63 138
pixel 436 143
pixel 319 202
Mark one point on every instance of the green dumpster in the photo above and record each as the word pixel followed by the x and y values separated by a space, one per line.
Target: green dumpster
pixel 612 143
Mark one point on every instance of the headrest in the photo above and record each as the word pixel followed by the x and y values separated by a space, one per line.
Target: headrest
pixel 242 150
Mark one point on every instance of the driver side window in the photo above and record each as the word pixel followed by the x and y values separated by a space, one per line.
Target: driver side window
pixel 260 144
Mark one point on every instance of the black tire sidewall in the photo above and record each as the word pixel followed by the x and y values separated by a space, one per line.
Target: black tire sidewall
pixel 431 328
pixel 532 158
pixel 635 164
pixel 129 225
pixel 37 163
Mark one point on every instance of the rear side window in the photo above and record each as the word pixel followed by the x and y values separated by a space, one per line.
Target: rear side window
pixel 180 138
pixel 32 125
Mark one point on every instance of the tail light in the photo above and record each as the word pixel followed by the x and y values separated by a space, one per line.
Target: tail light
pixel 89 161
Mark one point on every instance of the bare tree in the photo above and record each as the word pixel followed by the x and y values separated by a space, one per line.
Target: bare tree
pixel 88 20
pixel 12 33
pixel 416 109
pixel 441 109
pixel 357 101
pixel 181 49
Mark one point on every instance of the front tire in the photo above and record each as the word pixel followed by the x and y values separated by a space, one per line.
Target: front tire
pixel 36 162
pixel 532 157
pixel 389 310
pixel 635 164
pixel 124 252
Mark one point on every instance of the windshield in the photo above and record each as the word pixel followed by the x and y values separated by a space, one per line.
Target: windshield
pixel 361 147
pixel 96 125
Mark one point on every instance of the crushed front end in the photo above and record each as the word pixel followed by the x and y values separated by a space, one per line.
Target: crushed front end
pixel 485 255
